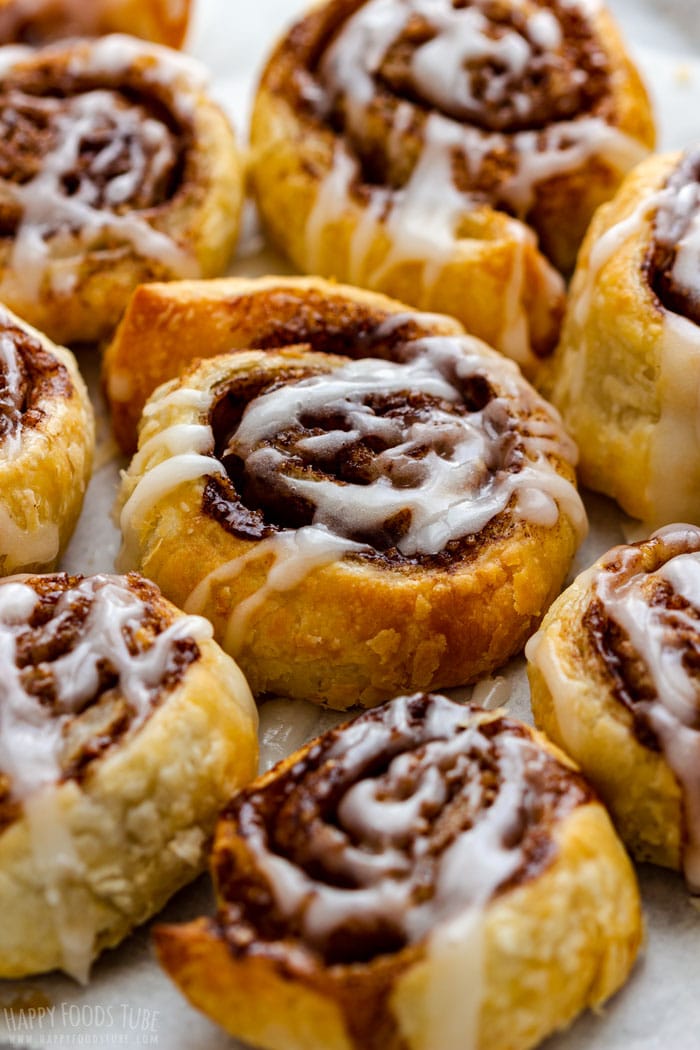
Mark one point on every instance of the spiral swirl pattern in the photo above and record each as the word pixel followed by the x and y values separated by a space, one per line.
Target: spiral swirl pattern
pixel 85 660
pixel 388 826
pixel 673 260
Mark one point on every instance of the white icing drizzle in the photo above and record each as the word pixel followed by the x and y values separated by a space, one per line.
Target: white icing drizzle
pixel 56 858
pixel 116 53
pixel 31 739
pixel 449 494
pixel 56 225
pixel 293 556
pixel 422 219
pixel 9 398
pixel 469 870
pixel 153 485
pixel 380 839
pixel 608 245
pixel 673 712
pixel 674 477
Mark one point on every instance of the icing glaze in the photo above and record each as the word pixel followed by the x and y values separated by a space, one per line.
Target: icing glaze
pixel 446 473
pixel 652 629
pixel 423 212
pixel 57 220
pixel 30 738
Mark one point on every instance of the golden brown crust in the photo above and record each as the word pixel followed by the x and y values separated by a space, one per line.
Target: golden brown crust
pixel 626 371
pixel 119 140
pixel 46 447
pixel 354 626
pixel 38 21
pixel 167 326
pixel 599 671
pixel 496 980
pixel 117 785
pixel 341 198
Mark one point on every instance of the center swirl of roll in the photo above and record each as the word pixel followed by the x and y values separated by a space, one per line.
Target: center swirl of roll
pixel 397 822
pixel 644 622
pixel 674 259
pixel 476 82
pixel 28 376
pixel 498 66
pixel 83 661
pixel 94 150
pixel 401 457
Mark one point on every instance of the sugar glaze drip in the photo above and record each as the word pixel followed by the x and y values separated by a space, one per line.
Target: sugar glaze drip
pixel 31 736
pixel 57 221
pixel 663 637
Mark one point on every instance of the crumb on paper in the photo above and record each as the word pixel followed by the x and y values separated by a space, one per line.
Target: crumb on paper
pixel 683 74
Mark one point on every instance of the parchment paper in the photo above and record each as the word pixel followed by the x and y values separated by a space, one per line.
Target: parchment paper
pixel 129 1002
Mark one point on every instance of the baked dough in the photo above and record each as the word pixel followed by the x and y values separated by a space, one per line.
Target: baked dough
pixel 168 326
pixel 356 527
pixel 429 877
pixel 124 729
pixel 614 682
pixel 626 375
pixel 37 21
pixel 116 168
pixel 406 146
pixel 46 447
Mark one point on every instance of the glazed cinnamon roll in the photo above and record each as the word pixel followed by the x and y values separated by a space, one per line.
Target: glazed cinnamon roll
pixel 115 168
pixel 38 21
pixel 430 875
pixel 423 148
pixel 46 447
pixel 353 527
pixel 168 326
pixel 614 675
pixel 124 729
pixel 626 375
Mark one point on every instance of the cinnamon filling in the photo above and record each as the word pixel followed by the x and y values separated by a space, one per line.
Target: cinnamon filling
pixel 347 853
pixel 117 152
pixel 29 376
pixel 661 612
pixel 404 435
pixel 644 625
pixel 73 682
pixel 673 263
pixel 499 68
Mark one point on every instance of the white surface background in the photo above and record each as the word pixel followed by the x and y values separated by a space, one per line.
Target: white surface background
pixel 660 1007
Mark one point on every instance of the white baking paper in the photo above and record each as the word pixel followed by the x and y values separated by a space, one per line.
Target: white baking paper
pixel 129 1002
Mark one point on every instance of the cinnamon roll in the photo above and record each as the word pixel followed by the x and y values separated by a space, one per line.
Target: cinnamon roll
pixel 167 326
pixel 614 676
pixel 353 527
pixel 46 447
pixel 38 21
pixel 124 728
pixel 430 875
pixel 626 375
pixel 115 168
pixel 423 148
